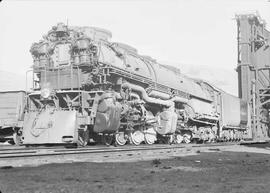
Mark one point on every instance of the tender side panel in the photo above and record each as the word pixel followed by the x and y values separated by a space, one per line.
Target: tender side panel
pixel 230 110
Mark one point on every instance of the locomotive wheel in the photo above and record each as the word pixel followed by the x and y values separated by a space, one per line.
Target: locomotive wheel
pixel 178 138
pixel 150 136
pixel 171 139
pixel 167 139
pixel 187 138
pixel 120 138
pixel 83 137
pixel 17 138
pixel 107 139
pixel 136 137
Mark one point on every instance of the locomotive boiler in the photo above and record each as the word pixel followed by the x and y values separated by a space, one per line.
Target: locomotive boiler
pixel 87 88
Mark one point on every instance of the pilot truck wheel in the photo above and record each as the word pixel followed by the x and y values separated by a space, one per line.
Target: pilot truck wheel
pixel 83 137
pixel 17 137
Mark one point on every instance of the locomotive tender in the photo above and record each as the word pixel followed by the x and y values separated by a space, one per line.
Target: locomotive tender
pixel 87 88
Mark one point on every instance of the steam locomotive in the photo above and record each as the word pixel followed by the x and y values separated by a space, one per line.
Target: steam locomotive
pixel 87 88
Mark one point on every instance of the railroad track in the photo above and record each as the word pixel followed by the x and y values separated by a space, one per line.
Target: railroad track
pixel 42 152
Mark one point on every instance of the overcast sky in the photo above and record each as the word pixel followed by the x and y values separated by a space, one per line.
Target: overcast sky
pixel 195 32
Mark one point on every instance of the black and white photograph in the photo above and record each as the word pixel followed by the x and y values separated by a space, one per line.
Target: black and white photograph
pixel 134 96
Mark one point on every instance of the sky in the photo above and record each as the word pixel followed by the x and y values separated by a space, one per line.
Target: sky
pixel 199 33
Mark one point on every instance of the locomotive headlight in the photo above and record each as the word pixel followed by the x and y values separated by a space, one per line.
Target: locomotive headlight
pixel 45 92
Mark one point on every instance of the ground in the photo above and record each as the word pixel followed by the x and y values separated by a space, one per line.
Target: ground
pixel 209 172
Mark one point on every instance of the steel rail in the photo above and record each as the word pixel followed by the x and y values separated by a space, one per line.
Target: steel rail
pixel 89 147
pixel 98 146
pixel 21 148
pixel 53 152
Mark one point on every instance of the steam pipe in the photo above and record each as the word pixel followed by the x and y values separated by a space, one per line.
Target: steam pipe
pixel 135 95
pixel 168 103
pixel 161 95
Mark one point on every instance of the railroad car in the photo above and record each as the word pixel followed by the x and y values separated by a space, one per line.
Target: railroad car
pixel 88 88
pixel 12 106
